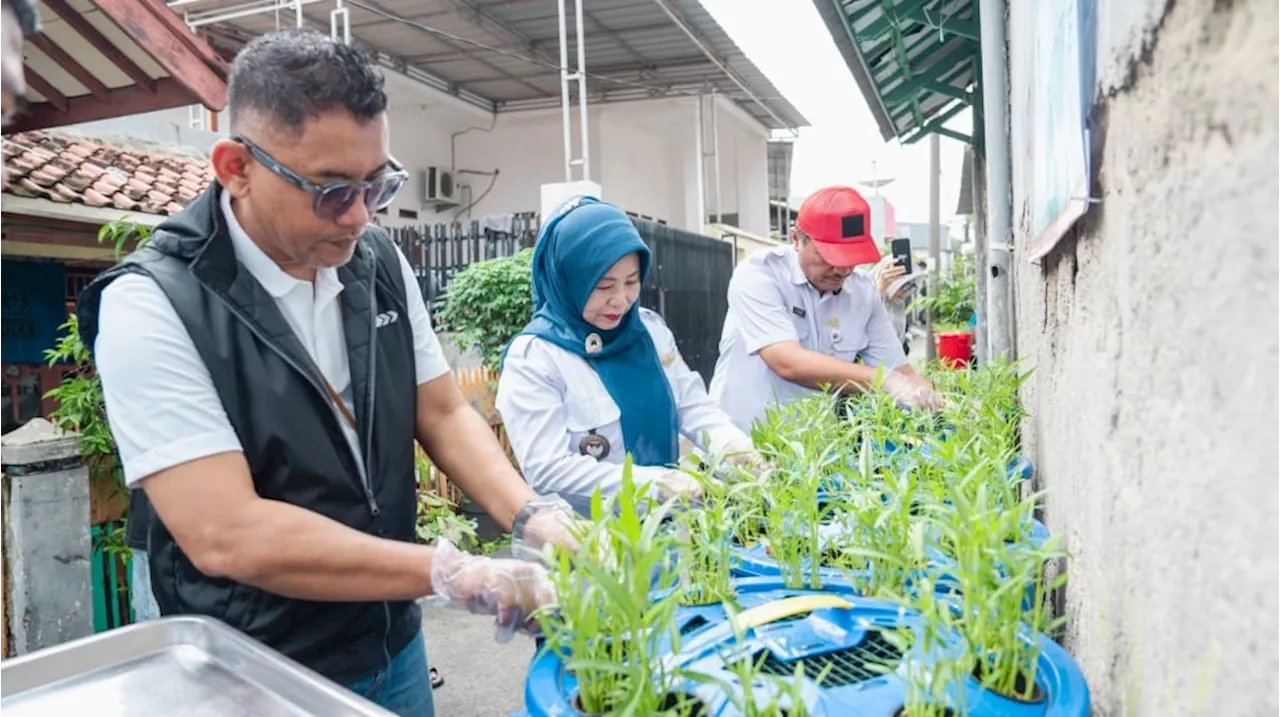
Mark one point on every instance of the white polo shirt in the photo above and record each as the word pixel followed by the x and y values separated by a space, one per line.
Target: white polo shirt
pixel 159 396
pixel 771 301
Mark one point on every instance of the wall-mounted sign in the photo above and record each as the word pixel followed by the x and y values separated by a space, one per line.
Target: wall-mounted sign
pixel 34 306
pixel 1062 97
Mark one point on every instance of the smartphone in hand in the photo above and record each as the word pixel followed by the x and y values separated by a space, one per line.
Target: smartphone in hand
pixel 901 249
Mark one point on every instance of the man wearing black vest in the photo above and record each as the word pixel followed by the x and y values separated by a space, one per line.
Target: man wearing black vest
pixel 268 362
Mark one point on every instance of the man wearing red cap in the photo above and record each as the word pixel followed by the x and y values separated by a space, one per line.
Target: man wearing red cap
pixel 800 319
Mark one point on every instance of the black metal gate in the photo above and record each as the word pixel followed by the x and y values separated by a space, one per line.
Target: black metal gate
pixel 437 252
pixel 689 285
pixel 688 282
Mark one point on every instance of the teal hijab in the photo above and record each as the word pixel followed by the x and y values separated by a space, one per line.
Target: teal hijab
pixel 580 243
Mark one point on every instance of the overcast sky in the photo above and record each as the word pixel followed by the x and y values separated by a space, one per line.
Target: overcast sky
pixel 787 40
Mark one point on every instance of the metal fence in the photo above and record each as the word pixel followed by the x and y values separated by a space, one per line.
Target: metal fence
pixel 689 285
pixel 688 281
pixel 437 252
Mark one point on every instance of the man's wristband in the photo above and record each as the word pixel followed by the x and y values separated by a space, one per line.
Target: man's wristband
pixel 522 517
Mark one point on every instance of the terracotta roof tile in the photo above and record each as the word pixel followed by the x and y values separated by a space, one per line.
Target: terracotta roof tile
pixel 79 170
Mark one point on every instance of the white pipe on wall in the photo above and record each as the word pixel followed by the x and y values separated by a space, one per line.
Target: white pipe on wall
pixel 566 117
pixel 715 155
pixel 582 95
pixel 995 98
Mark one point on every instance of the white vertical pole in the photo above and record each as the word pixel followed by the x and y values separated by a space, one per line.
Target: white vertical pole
pixel 566 118
pixel 297 13
pixel 935 236
pixel 700 142
pixel 715 155
pixel 995 99
pixel 582 94
pixel 339 12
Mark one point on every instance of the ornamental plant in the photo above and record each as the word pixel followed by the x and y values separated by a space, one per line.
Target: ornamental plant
pixel 81 407
pixel 488 303
pixel 952 297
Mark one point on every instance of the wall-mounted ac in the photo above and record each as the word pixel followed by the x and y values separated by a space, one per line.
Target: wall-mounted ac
pixel 441 189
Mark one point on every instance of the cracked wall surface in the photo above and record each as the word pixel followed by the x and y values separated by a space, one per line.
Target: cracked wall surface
pixel 1152 332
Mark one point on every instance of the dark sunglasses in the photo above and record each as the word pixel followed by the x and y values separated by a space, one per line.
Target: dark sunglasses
pixel 332 200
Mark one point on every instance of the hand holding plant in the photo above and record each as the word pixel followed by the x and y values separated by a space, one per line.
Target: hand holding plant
pixel 911 391
pixel 744 456
pixel 678 485
pixel 553 523
pixel 510 590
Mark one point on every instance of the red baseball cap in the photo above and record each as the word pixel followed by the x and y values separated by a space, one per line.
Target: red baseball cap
pixel 838 220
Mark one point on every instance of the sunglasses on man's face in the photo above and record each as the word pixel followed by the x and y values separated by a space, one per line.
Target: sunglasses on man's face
pixel 332 200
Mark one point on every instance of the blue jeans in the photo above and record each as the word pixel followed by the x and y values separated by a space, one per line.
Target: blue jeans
pixel 141 599
pixel 404 686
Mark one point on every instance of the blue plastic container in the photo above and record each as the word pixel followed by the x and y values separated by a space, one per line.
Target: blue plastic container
pixel 755 561
pixel 830 629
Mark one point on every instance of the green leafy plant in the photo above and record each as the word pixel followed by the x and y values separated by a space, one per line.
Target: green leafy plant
pixel 81 408
pixel 606 625
pixel 488 303
pixel 952 297
pixel 916 508
pixel 705 542
pixel 438 517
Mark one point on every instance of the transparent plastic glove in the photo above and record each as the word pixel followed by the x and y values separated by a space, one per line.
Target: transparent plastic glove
pixel 742 454
pixel 911 392
pixel 678 484
pixel 510 590
pixel 553 523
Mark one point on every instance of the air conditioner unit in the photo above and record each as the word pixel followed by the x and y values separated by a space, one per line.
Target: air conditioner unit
pixel 442 191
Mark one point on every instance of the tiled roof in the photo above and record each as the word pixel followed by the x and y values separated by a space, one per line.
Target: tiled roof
pixel 81 170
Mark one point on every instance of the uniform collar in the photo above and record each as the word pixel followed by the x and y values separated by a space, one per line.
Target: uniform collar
pixel 275 280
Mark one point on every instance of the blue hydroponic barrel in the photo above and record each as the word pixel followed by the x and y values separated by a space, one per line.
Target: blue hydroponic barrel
pixel 755 561
pixel 829 631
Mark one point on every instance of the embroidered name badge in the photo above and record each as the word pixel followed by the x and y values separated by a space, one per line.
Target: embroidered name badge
pixel 798 311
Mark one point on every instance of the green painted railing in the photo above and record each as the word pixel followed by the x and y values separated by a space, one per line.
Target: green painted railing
pixel 110 579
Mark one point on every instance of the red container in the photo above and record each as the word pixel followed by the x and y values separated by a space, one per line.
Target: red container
pixel 955 348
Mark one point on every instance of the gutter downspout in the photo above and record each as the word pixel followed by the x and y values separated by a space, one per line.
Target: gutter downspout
pixel 998 318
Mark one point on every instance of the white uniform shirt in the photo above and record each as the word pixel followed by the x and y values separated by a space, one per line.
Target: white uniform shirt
pixel 550 399
pixel 160 398
pixel 771 301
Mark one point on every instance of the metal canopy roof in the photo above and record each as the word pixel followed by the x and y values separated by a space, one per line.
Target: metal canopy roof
pixel 504 54
pixel 917 62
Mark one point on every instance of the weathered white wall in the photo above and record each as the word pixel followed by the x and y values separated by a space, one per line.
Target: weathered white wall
pixel 1153 338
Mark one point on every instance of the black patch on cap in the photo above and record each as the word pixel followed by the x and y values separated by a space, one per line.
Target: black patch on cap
pixel 852 225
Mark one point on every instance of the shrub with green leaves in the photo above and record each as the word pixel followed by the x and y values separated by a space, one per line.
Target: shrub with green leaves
pixel 488 303
pixel 81 407
pixel 952 297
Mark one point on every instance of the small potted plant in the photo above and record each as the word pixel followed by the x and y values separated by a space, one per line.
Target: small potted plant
pixel 952 300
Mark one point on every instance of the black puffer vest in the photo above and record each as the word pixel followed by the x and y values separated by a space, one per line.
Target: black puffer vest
pixel 291 436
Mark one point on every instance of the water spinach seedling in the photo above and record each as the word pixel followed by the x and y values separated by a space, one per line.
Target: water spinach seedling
pixel 606 625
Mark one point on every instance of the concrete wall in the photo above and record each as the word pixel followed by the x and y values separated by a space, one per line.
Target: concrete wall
pixel 1152 333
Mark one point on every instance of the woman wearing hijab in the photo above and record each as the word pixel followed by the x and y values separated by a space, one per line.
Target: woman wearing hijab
pixel 594 377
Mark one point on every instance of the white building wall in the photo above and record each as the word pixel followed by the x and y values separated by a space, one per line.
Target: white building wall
pixel 645 155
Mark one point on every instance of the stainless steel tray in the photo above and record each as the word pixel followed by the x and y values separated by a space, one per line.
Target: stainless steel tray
pixel 174 666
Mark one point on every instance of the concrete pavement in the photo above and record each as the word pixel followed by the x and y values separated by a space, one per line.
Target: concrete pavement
pixel 481 677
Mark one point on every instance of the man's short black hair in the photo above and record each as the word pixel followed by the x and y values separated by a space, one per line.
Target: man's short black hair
pixel 291 76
